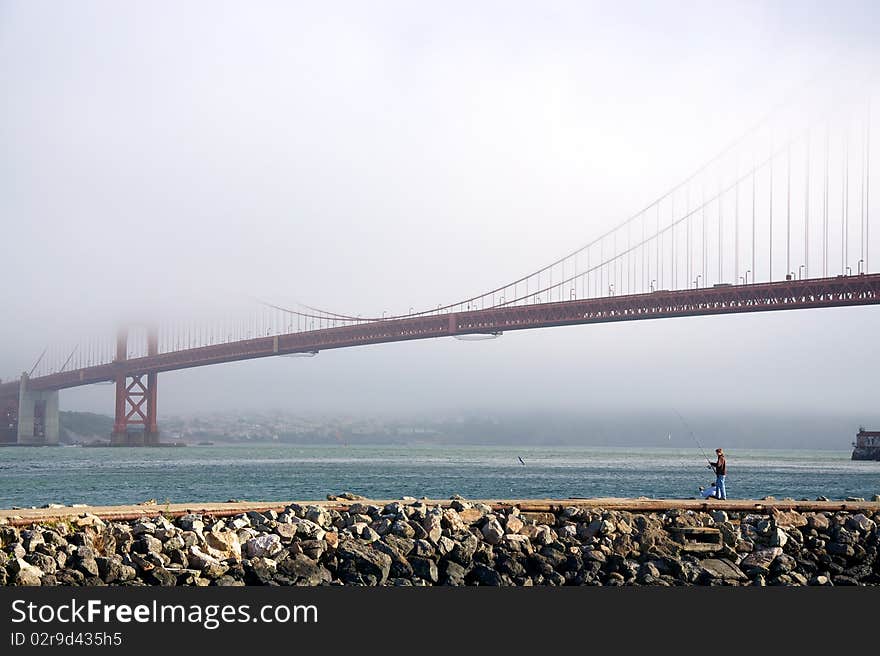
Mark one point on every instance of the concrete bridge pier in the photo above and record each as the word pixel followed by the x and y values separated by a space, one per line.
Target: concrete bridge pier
pixel 37 415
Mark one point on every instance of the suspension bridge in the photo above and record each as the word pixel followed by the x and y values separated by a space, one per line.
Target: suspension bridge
pixel 780 219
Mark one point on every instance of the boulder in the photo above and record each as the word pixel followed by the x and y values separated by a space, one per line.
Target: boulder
pixel 191 523
pixel 433 526
pixel 492 532
pixel 761 557
pixel 83 559
pixel 23 573
pixel 424 568
pixel 147 544
pixel 200 560
pixel 513 524
pixel 223 544
pixel 788 519
pixel 778 538
pixel 30 540
pixel 402 529
pixel 819 522
pixel 263 546
pixel 452 521
pixel 470 515
pixel 304 570
pixel 367 561
pixel 717 568
pixel 400 566
pixel 860 523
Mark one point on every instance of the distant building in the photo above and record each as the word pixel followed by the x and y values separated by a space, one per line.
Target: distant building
pixel 867 445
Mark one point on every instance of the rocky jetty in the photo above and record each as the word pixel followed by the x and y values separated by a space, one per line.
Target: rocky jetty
pixel 408 543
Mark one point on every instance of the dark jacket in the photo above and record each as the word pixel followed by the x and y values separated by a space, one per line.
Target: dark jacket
pixel 720 466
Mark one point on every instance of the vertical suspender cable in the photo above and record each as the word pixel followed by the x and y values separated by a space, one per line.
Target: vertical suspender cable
pixel 770 240
pixel 825 205
pixel 844 252
pixel 807 211
pixel 754 232
pixel 868 187
pixel 788 214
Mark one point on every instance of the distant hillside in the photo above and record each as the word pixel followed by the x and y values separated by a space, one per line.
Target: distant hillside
pixel 84 426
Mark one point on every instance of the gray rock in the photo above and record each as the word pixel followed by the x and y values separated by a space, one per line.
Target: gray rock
pixel 403 546
pixel 161 576
pixel 382 525
pixel 367 534
pixel 260 571
pixel 30 540
pixel 860 523
pixel 367 561
pixel 191 523
pixel 305 571
pixel 147 544
pixel 200 560
pixel 492 532
pixel 84 561
pixel 483 575
pixel 319 516
pixel 263 546
pixel 400 566
pixel 143 528
pixel 761 557
pixel 308 529
pixel 465 547
pixel 228 581
pixel 432 526
pixel 43 562
pixel 423 548
pixel 424 568
pixel 402 529
pixel 717 568
pixel 838 549
pixel 453 574
pixel 778 538
pixel 112 570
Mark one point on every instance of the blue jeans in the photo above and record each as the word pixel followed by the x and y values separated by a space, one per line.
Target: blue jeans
pixel 719 486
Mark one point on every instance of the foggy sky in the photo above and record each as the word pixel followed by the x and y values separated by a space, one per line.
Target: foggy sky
pixel 369 157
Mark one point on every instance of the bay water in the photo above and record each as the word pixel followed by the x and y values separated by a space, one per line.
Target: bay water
pixel 282 472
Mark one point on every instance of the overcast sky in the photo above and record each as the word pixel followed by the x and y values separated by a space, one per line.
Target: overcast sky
pixel 370 157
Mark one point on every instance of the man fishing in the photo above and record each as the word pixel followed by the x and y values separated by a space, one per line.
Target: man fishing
pixel 720 467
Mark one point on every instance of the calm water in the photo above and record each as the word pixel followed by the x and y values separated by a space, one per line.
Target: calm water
pixel 34 476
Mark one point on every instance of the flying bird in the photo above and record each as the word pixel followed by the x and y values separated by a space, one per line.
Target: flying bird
pixel 521 461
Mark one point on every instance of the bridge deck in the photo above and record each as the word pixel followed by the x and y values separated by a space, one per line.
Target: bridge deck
pixel 839 291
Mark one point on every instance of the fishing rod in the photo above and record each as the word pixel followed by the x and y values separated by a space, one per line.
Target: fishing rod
pixel 702 450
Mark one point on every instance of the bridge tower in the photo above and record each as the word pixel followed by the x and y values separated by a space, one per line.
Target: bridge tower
pixel 135 423
pixel 37 415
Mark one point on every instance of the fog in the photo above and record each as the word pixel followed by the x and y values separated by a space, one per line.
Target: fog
pixel 372 157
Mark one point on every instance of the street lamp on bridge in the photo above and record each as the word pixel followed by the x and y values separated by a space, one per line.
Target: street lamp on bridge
pixel 804 267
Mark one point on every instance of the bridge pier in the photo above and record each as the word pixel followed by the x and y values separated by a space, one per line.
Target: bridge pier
pixel 9 420
pixel 37 415
pixel 135 423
